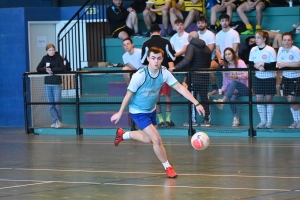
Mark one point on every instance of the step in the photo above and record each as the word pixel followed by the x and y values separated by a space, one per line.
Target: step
pixel 117 88
pixel 102 119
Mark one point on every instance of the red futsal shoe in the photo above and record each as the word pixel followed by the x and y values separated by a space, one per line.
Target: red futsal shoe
pixel 119 137
pixel 170 172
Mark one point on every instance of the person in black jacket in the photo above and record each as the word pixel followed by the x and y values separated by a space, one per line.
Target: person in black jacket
pixel 169 56
pixel 53 63
pixel 122 22
pixel 197 55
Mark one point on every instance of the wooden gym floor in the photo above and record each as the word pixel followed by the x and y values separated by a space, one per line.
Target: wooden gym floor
pixel 90 167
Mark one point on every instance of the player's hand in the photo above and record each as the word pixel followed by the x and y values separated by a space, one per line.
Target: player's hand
pixel 116 117
pixel 281 65
pixel 184 85
pixel 171 69
pixel 48 70
pixel 200 110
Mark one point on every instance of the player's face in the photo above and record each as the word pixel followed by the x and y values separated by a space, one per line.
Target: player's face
pixel 287 41
pixel 179 27
pixel 228 56
pixel 224 23
pixel 117 2
pixel 201 25
pixel 51 51
pixel 154 60
pixel 127 45
pixel 260 41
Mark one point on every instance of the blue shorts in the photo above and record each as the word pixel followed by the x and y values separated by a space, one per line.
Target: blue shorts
pixel 144 119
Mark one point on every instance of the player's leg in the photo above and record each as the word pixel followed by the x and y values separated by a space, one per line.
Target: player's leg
pixel 192 16
pixel 174 14
pixel 149 17
pixel 245 7
pixel 230 9
pixel 213 16
pixel 259 14
pixel 132 21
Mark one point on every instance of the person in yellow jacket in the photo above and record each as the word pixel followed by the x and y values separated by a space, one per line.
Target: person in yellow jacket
pixel 249 5
pixel 187 10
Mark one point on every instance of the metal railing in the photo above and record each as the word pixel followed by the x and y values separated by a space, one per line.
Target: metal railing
pixel 88 97
pixel 81 39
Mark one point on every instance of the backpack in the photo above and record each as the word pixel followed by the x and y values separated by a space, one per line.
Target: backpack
pixel 239 26
pixel 67 64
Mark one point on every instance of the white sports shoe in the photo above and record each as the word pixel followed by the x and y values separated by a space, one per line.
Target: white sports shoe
pixel 294 125
pixel 235 122
pixel 188 124
pixel 261 125
pixel 58 124
pixel 268 125
pixel 53 125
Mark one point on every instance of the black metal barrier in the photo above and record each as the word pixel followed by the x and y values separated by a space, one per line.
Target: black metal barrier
pixel 79 84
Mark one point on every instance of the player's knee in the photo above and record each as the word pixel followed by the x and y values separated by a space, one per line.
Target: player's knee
pixel 156 140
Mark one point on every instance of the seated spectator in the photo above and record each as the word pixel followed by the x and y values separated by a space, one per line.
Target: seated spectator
pixel 158 12
pixel 235 84
pixel 249 5
pixel 122 22
pixel 227 6
pixel 138 5
pixel 188 11
pixel 245 52
pixel 289 57
pixel 132 58
pixel 179 41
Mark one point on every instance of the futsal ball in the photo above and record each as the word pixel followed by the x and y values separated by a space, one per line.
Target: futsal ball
pixel 200 141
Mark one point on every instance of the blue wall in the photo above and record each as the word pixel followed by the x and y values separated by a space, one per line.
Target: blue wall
pixel 14 58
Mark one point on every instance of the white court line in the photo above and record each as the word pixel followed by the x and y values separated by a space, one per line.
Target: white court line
pixel 141 185
pixel 151 173
pixel 196 187
pixel 17 186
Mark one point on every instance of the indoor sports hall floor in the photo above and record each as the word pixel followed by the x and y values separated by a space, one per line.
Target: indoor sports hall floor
pixel 37 167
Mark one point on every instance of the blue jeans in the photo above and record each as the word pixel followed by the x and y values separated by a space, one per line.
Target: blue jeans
pixel 53 93
pixel 242 89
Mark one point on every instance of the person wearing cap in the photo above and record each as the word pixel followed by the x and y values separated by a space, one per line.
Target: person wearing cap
pixel 122 22
pixel 157 11
pixel 168 62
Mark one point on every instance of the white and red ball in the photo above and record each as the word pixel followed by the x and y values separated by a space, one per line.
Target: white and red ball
pixel 200 141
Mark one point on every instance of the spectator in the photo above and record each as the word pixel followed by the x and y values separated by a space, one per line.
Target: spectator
pixel 132 57
pixel 122 22
pixel 227 37
pixel 157 12
pixel 227 6
pixel 249 5
pixel 138 5
pixel 179 41
pixel 142 105
pixel 198 55
pixel 210 39
pixel 245 52
pixel 289 57
pixel 169 57
pixel 52 63
pixel 235 84
pixel 263 57
pixel 187 10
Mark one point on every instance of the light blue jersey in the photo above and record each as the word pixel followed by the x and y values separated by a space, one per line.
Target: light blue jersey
pixel 146 89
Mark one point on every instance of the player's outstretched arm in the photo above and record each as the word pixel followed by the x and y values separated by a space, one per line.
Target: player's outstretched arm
pixel 117 116
pixel 182 90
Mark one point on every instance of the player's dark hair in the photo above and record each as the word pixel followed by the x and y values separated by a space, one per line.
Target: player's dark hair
pixel 201 18
pixel 178 21
pixel 224 16
pixel 128 39
pixel 287 33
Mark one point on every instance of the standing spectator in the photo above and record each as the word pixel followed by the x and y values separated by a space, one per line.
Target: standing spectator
pixel 263 57
pixel 141 97
pixel 53 63
pixel 131 58
pixel 249 5
pixel 210 40
pixel 227 6
pixel 169 57
pixel 188 11
pixel 289 57
pixel 179 41
pixel 122 22
pixel 227 37
pixel 235 84
pixel 157 12
pixel 198 55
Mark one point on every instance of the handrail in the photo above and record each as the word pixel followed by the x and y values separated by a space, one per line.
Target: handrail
pixel 77 102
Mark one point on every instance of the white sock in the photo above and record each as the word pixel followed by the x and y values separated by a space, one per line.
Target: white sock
pixel 166 164
pixel 294 114
pixel 298 115
pixel 270 111
pixel 126 135
pixel 262 113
